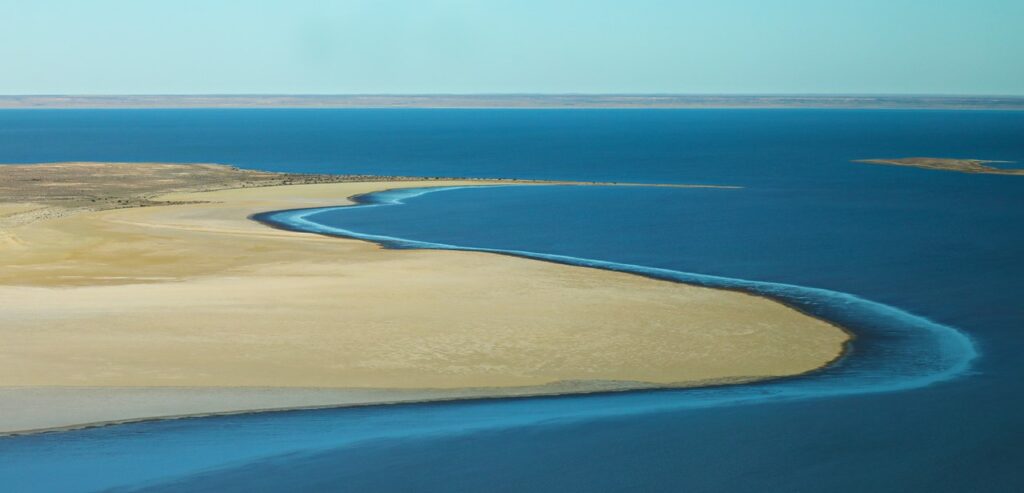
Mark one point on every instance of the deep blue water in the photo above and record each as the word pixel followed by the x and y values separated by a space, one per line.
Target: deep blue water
pixel 664 146
pixel 909 259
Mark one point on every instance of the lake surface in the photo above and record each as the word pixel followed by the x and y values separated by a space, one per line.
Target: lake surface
pixel 925 266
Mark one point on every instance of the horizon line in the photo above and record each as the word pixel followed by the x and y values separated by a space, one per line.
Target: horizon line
pixel 515 100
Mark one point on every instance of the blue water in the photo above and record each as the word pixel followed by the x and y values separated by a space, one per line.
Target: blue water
pixel 924 266
pixel 661 146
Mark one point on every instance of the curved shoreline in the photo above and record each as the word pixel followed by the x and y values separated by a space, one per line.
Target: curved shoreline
pixel 219 223
pixel 954 348
pixel 859 369
pixel 367 199
pixel 842 375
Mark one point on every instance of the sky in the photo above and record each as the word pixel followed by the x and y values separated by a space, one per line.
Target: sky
pixel 523 46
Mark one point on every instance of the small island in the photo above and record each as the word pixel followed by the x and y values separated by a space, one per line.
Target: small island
pixel 947 164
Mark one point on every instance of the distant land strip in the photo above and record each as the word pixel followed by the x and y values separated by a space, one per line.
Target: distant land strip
pixel 948 164
pixel 50 190
pixel 515 101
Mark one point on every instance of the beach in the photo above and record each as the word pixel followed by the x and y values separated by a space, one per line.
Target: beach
pixel 187 306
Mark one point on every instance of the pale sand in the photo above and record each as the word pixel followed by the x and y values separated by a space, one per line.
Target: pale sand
pixel 34 409
pixel 198 296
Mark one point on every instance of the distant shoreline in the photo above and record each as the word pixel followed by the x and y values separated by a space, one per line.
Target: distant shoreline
pixel 974 166
pixel 514 101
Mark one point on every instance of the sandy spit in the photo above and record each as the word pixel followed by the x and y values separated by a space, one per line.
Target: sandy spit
pixel 193 308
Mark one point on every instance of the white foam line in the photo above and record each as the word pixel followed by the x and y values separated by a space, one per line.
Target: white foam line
pixel 923 351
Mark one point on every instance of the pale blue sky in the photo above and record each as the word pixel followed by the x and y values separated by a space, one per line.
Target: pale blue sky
pixel 524 46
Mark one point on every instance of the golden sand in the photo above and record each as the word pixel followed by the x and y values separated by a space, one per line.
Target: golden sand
pixel 196 295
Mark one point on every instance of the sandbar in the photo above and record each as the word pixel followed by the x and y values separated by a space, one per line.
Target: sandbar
pixel 187 306
pixel 977 166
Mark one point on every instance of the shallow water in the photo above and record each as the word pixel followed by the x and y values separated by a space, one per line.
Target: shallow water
pixel 912 260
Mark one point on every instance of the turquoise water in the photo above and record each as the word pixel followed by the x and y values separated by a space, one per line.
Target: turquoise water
pixel 923 266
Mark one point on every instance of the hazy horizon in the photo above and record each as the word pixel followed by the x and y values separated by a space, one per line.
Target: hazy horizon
pixel 522 101
pixel 536 94
pixel 320 47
